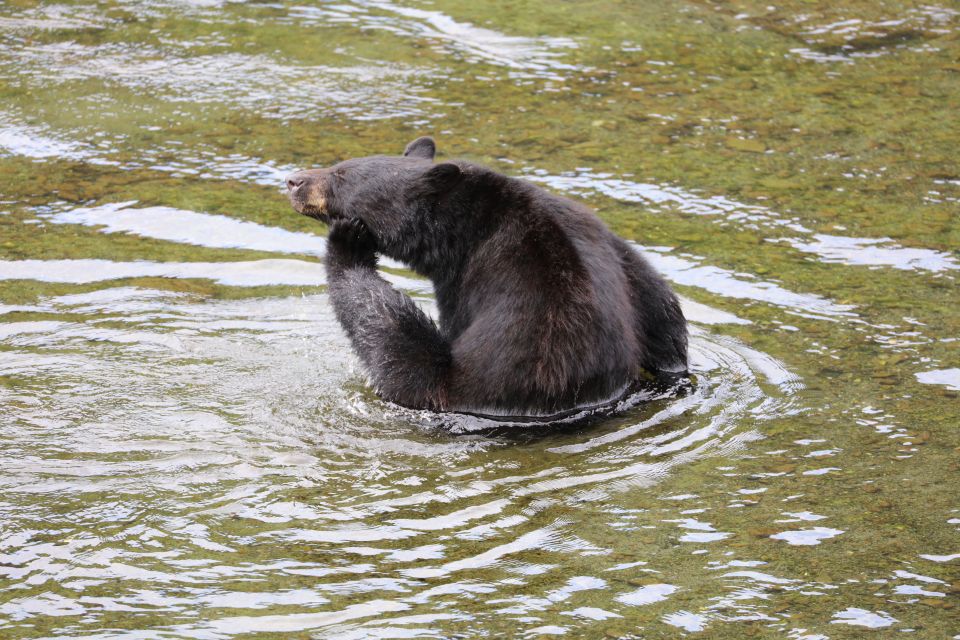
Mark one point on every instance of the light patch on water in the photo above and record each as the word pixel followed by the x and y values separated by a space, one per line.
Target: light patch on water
pixel 585 183
pixel 256 273
pixel 217 231
pixel 12 308
pixel 802 516
pixel 821 471
pixel 252 273
pixel 700 313
pixel 199 161
pixel 759 576
pixel 873 252
pixel 56 17
pixel 913 590
pixel 806 537
pixel 684 271
pixel 455 519
pixel 716 354
pixel 189 227
pixel 547 538
pixel 211 164
pixel 32 142
pixel 591 613
pixel 930 18
pixel 546 630
pixel 693 524
pixel 293 622
pixel 949 378
pixel 515 52
pixel 813 55
pixel 704 537
pixel 200 229
pixel 686 620
pixel 906 575
pixel 647 594
pixel 524 604
pixel 270 88
pixel 538 55
pixel 862 618
pixel 10 329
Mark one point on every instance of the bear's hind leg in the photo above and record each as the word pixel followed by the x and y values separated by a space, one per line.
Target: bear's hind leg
pixel 405 355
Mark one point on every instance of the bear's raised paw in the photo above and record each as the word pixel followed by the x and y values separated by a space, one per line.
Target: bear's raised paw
pixel 350 244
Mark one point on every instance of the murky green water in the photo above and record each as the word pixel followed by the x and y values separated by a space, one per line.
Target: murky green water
pixel 187 449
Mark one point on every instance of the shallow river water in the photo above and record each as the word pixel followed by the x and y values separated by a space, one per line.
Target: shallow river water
pixel 188 449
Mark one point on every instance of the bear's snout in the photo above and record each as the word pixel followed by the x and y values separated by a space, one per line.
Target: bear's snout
pixel 308 193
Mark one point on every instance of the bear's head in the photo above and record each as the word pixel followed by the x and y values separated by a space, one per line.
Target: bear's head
pixel 387 193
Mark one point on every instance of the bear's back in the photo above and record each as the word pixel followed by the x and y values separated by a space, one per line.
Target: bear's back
pixel 551 321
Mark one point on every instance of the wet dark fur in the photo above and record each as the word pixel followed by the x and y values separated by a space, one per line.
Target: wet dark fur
pixel 541 307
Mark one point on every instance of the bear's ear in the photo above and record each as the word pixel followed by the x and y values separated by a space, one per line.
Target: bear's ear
pixel 441 177
pixel 421 148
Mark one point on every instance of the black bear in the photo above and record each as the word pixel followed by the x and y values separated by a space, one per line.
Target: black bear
pixel 541 308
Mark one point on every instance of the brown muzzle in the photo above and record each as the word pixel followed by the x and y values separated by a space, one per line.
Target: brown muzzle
pixel 307 190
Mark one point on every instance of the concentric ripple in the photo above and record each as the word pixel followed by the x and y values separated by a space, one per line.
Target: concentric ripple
pixel 250 429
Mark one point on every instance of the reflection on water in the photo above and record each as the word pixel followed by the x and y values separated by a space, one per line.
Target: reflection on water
pixel 32 143
pixel 256 83
pixel 682 270
pixel 950 378
pixel 876 252
pixel 485 45
pixel 296 460
pixel 188 449
pixel 586 182
pixel 256 273
pixel 175 225
pixel 879 252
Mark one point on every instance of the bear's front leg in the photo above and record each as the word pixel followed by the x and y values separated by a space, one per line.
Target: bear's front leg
pixel 350 245
pixel 405 355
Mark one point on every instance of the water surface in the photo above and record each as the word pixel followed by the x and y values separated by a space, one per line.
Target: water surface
pixel 188 449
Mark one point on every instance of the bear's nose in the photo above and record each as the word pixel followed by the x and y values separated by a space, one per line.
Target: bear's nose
pixel 294 181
